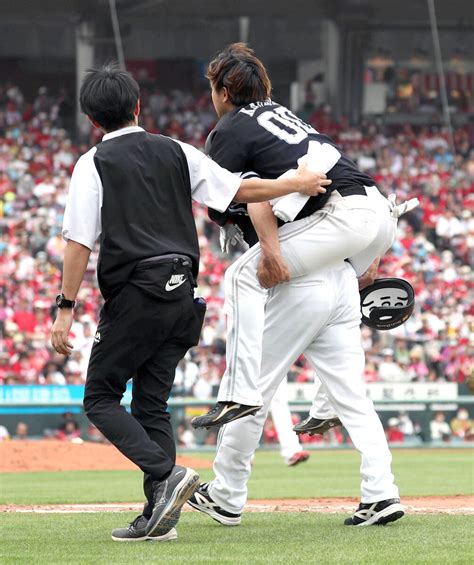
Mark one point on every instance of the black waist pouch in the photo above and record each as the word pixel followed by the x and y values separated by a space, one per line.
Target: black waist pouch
pixel 166 278
pixel 196 323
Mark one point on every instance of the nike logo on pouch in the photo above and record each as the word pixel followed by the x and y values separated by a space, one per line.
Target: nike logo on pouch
pixel 175 281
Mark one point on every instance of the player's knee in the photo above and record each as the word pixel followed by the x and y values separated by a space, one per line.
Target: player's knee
pixel 95 405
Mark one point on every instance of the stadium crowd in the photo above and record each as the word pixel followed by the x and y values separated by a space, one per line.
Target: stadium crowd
pixel 434 251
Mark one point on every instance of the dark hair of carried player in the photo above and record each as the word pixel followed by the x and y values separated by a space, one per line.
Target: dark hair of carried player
pixel 242 73
pixel 109 96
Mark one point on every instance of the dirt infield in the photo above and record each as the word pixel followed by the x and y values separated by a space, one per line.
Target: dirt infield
pixel 419 505
pixel 52 455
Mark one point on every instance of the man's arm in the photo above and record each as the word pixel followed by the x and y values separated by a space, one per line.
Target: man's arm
pixel 217 187
pixel 272 269
pixel 76 257
pixel 262 190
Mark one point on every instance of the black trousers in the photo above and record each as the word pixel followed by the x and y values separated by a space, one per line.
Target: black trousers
pixel 144 338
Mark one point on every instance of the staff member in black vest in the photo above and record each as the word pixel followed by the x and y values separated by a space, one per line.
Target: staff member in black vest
pixel 133 192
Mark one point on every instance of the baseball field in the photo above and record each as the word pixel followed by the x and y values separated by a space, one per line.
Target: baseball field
pixel 295 515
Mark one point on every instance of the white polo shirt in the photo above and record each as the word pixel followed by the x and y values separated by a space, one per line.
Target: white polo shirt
pixel 211 185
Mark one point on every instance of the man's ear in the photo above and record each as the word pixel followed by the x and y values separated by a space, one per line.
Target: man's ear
pixel 136 111
pixel 94 123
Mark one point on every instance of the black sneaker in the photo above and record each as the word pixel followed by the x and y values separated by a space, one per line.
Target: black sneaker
pixel 223 413
pixel 202 501
pixel 136 532
pixel 169 497
pixel 313 426
pixel 376 513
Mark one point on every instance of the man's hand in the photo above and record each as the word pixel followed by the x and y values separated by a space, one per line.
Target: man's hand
pixel 311 183
pixel 60 331
pixel 370 275
pixel 272 270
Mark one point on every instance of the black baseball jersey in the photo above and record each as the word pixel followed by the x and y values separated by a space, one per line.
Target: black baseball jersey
pixel 265 139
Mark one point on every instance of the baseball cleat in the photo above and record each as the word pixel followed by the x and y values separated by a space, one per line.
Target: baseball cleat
pixel 136 532
pixel 297 458
pixel 202 501
pixel 313 426
pixel 223 413
pixel 169 497
pixel 376 513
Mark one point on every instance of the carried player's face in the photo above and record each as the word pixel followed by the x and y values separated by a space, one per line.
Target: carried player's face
pixel 220 101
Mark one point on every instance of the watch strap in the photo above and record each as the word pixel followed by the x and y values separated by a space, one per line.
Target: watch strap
pixel 63 302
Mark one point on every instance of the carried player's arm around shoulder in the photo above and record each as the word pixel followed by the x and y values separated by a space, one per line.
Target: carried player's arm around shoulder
pixel 217 187
pixel 305 181
pixel 76 257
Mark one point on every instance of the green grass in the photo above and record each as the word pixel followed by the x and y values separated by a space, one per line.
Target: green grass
pixel 262 538
pixel 326 474
pixel 288 538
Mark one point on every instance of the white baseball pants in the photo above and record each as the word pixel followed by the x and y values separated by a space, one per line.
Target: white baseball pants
pixel 321 409
pixel 281 416
pixel 359 227
pixel 319 317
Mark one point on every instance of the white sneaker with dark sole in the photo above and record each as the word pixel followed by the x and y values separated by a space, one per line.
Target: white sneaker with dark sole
pixel 202 501
pixel 136 532
pixel 377 513
pixel 170 496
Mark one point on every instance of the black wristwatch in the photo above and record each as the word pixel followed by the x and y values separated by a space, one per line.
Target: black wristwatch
pixel 62 302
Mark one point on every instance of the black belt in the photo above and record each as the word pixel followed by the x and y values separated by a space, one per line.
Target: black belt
pixel 168 258
pixel 352 190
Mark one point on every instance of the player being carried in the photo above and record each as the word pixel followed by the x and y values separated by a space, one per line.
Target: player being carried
pixel 315 313
pixel 256 137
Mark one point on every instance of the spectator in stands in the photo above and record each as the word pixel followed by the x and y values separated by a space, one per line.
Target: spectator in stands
pixel 269 432
pixel 461 425
pixel 186 439
pixel 21 432
pixel 187 373
pixel 69 430
pixel 439 428
pixel 419 433
pixel 36 156
pixel 389 371
pixel 52 375
pixel 405 425
pixel 4 434
pixel 393 432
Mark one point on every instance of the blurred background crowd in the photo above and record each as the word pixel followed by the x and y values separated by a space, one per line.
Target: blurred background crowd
pixel 434 250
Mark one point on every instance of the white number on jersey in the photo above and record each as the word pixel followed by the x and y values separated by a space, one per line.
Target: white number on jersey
pixel 299 130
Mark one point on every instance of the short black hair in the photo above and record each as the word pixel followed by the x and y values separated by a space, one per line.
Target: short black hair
pixel 109 95
pixel 242 73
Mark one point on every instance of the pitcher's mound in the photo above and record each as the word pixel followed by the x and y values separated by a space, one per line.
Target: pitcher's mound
pixel 53 455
